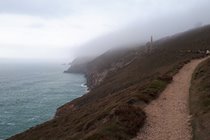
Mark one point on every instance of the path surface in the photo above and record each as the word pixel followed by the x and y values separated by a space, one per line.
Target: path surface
pixel 168 117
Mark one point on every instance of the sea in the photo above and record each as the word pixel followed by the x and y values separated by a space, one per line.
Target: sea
pixel 30 93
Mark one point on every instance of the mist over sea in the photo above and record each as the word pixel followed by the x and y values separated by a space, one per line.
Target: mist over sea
pixel 30 93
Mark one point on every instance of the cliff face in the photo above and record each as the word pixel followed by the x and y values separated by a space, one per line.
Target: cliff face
pixel 79 65
pixel 98 68
pixel 122 83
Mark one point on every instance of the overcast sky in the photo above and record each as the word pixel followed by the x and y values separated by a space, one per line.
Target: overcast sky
pixel 58 29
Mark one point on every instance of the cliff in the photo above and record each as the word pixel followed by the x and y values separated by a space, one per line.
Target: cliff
pixel 122 83
pixel 79 65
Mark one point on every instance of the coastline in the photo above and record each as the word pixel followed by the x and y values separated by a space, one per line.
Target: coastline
pixel 31 95
pixel 121 87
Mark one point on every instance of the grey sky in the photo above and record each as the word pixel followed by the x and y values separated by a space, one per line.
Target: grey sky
pixel 61 29
pixel 47 8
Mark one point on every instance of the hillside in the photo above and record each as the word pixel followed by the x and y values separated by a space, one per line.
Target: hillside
pixel 168 117
pixel 200 102
pixel 122 83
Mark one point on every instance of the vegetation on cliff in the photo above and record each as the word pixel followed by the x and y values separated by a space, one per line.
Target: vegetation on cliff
pixel 127 80
pixel 200 102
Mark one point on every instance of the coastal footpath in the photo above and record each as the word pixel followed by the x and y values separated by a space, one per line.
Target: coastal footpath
pixel 168 117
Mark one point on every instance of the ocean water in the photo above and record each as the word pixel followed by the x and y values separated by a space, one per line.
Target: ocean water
pixel 31 93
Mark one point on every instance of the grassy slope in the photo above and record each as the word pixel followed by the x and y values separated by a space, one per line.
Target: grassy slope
pixel 113 109
pixel 200 102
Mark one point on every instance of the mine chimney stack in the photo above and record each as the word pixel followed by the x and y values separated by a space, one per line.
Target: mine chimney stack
pixel 151 41
pixel 150 45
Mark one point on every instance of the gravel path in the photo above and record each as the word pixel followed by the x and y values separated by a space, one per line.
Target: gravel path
pixel 168 117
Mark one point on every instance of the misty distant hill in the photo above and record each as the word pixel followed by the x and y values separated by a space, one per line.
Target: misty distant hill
pixel 79 65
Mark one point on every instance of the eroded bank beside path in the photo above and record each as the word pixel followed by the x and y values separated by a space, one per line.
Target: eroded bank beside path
pixel 168 117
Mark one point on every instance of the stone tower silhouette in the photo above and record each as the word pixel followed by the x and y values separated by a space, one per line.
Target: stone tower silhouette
pixel 149 46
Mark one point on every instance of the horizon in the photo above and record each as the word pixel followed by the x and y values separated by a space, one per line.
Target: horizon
pixel 59 31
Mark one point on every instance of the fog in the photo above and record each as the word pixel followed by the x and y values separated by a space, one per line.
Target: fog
pixel 139 32
pixel 51 30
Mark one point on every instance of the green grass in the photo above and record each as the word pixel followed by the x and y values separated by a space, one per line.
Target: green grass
pixel 155 88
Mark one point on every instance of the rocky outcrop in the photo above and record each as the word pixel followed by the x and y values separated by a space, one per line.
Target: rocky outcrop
pixel 95 77
pixel 92 71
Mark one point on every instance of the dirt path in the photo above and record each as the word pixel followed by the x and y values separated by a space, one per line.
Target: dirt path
pixel 168 116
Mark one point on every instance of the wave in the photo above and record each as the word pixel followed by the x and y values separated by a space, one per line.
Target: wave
pixel 83 85
pixel 11 124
